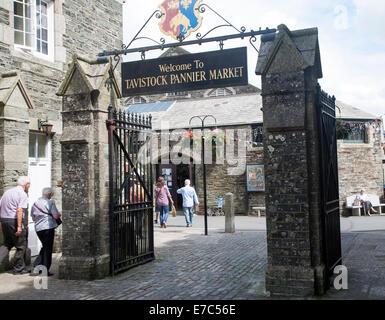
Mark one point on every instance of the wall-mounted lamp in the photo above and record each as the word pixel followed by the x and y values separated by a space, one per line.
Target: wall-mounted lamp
pixel 44 126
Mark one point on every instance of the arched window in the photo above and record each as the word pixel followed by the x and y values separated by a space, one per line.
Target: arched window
pixel 220 92
pixel 136 100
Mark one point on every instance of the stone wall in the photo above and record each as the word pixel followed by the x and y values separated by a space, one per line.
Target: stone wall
pixel 360 167
pixel 220 182
pixel 92 26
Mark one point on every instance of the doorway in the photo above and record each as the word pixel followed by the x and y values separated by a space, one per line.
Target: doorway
pixel 39 171
pixel 175 175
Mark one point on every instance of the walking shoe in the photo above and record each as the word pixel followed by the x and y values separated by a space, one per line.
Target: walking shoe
pixel 156 221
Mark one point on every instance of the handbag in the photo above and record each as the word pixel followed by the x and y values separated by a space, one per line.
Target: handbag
pixel 58 220
pixel 173 211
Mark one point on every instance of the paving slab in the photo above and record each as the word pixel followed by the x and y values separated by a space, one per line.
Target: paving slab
pixel 219 266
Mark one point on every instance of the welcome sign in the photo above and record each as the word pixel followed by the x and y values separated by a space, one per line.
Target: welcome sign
pixel 216 69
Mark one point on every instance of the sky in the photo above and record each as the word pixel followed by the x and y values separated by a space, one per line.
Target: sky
pixel 351 38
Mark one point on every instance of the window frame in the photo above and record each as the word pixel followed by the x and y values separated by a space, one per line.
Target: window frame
pixel 346 137
pixel 221 92
pixel 257 127
pixel 50 30
pixel 47 150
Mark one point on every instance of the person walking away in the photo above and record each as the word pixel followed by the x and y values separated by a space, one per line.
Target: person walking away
pixel 190 200
pixel 157 210
pixel 44 214
pixel 12 206
pixel 163 198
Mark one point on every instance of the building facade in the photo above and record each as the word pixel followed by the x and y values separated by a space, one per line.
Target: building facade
pixel 360 148
pixel 38 39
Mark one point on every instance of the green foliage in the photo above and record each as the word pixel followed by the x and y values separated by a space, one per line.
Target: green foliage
pixel 343 129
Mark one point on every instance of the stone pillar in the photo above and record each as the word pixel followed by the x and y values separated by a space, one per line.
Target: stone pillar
pixel 14 133
pixel 14 139
pixel 228 207
pixel 290 66
pixel 85 197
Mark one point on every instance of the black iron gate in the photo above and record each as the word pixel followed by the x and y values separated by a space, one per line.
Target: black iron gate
pixel 329 181
pixel 131 191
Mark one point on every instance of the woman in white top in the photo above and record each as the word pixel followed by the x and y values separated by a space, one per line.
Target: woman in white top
pixel 366 204
pixel 44 213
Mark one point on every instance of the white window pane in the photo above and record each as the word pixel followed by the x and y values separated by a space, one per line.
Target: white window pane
pixel 38 19
pixel 42 146
pixel 44 23
pixel 38 34
pixel 28 11
pixel 44 34
pixel 19 37
pixel 44 47
pixel 43 7
pixel 19 23
pixel 18 9
pixel 28 39
pixel 38 49
pixel 28 25
pixel 32 142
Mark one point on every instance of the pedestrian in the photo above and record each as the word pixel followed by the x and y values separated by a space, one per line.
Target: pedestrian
pixel 12 222
pixel 157 209
pixel 366 204
pixel 44 214
pixel 162 199
pixel 190 200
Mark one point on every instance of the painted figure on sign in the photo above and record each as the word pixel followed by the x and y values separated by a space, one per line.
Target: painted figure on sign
pixel 180 18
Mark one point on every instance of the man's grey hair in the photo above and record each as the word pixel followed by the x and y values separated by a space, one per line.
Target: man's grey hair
pixel 47 191
pixel 23 180
pixel 187 182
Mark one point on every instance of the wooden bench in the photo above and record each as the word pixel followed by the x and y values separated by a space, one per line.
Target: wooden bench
pixel 356 210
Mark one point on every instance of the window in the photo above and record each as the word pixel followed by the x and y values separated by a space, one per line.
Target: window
pixel 257 134
pixel 220 92
pixel 178 94
pixel 38 146
pixel 33 24
pixel 136 100
pixel 351 131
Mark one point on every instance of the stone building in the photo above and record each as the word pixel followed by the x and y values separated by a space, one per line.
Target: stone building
pixel 38 39
pixel 240 107
pixel 235 110
pixel 360 153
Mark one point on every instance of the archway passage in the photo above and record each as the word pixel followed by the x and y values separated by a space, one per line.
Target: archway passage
pixel 175 176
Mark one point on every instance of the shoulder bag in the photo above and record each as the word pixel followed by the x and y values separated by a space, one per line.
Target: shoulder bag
pixel 58 221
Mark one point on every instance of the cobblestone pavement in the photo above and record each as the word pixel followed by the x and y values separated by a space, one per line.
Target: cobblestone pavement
pixel 219 266
pixel 188 265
